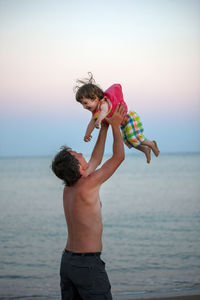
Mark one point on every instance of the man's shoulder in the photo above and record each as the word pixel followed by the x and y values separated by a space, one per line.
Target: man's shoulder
pixel 85 182
pixel 89 182
pixel 77 188
pixel 83 190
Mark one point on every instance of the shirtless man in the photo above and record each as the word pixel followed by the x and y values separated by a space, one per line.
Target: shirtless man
pixel 82 271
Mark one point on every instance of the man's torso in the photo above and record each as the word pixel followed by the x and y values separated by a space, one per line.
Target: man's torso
pixel 83 216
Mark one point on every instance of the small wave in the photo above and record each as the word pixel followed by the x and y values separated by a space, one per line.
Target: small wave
pixel 18 277
pixel 132 293
pixel 162 293
pixel 31 297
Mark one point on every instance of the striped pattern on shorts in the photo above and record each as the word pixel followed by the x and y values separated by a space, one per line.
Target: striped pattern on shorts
pixel 132 130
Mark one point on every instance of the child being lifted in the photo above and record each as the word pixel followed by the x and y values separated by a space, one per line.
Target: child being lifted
pixel 103 104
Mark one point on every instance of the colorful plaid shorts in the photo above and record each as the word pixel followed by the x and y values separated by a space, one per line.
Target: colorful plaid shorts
pixel 132 130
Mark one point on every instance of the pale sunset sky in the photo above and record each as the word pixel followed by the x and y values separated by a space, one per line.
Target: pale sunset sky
pixel 150 47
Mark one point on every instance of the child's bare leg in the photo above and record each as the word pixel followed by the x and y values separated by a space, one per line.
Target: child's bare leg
pixel 146 150
pixel 152 145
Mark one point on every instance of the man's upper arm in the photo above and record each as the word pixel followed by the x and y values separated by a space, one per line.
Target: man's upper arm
pixel 92 165
pixel 106 171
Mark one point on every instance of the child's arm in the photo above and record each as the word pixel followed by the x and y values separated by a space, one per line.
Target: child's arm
pixel 103 113
pixel 89 130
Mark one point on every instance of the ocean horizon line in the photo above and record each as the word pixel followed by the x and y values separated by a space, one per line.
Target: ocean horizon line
pixel 87 154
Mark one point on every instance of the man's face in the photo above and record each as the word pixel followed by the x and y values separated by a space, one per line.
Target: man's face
pixel 90 104
pixel 79 157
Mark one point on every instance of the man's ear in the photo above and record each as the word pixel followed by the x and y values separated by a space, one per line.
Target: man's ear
pixel 81 169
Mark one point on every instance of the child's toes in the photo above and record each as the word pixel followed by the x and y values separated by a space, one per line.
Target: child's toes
pixel 148 155
pixel 155 149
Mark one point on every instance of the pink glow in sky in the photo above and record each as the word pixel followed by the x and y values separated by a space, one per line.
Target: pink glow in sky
pixel 151 47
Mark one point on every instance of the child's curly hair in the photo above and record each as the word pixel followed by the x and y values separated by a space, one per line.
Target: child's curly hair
pixel 88 89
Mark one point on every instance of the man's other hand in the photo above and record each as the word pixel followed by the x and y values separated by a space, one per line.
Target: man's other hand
pixel 118 115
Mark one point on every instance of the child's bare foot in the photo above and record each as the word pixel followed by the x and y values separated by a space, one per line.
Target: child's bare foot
pixel 155 149
pixel 147 152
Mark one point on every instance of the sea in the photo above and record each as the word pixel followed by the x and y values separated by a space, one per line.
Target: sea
pixel 151 236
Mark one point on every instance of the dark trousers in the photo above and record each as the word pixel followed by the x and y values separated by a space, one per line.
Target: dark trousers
pixel 83 276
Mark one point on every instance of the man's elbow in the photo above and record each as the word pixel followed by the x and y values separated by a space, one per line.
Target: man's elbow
pixel 120 158
pixel 98 161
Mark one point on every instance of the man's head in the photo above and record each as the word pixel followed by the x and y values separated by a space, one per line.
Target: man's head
pixel 68 165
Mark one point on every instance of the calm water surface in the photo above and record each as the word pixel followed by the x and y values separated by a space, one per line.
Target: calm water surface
pixel 151 216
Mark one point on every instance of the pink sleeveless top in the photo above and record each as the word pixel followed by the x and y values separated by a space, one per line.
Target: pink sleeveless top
pixel 113 96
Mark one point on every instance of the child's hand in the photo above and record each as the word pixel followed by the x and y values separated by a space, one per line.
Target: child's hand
pixel 87 138
pixel 97 124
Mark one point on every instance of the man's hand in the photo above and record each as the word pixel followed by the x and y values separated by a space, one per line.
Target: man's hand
pixel 118 115
pixel 104 125
pixel 87 138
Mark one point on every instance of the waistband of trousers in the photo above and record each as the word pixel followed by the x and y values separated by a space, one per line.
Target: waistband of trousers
pixel 82 254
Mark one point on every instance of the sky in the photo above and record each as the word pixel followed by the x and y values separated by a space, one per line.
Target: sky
pixel 150 47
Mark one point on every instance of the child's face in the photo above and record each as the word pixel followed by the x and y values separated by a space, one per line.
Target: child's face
pixel 90 104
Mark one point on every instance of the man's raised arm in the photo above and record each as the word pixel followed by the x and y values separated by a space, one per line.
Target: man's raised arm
pixel 98 151
pixel 110 166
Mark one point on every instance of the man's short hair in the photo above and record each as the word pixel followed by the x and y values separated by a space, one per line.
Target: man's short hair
pixel 66 167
